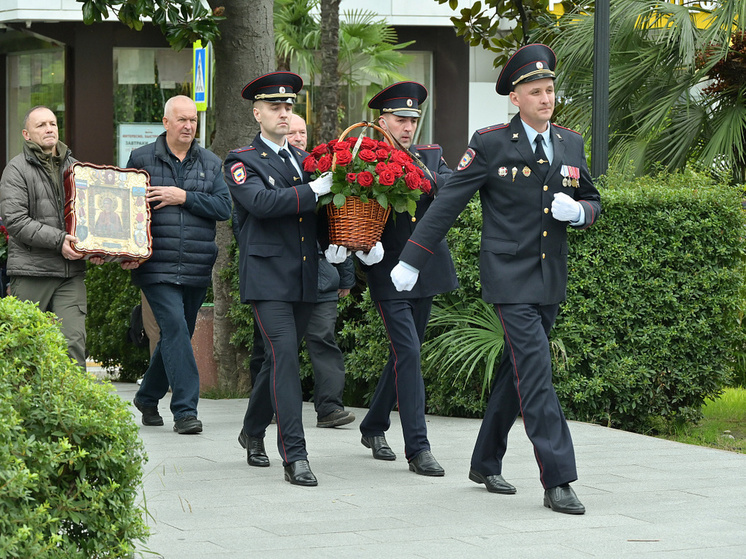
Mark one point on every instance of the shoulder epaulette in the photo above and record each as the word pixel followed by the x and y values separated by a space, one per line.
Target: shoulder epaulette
pixel 426 146
pixel 492 128
pixel 240 150
pixel 568 129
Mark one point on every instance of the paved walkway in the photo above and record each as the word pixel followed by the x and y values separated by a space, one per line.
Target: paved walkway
pixel 645 497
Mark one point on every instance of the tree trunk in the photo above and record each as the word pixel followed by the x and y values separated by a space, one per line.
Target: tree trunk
pixel 245 50
pixel 329 83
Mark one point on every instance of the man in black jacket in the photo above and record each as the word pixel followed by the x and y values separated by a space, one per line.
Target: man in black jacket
pixel 188 195
pixel 530 194
pixel 405 315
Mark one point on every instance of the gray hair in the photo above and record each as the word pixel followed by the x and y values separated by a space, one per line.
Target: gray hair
pixel 167 106
pixel 31 110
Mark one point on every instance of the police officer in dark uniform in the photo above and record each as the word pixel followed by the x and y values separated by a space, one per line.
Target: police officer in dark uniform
pixel 405 315
pixel 278 257
pixel 533 181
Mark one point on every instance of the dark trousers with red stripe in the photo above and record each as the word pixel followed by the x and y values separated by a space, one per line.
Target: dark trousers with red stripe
pixel 524 385
pixel 278 390
pixel 401 381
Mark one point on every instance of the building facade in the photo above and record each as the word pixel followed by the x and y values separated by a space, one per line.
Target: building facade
pixel 103 80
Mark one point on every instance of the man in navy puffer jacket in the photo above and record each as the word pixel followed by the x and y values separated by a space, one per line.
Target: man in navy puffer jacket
pixel 187 195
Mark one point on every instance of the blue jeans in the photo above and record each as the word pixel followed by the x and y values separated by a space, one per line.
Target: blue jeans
pixel 175 308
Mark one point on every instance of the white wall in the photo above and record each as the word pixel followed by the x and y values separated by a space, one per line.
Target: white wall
pixel 42 10
pixel 399 12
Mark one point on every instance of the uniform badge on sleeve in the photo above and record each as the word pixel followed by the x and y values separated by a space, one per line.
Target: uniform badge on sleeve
pixel 238 172
pixel 466 160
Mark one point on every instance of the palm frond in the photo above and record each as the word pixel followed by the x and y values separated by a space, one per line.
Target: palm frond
pixel 471 341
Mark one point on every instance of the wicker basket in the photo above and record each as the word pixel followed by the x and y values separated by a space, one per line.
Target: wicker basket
pixel 357 225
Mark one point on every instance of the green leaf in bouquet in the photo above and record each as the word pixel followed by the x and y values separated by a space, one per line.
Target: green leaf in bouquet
pixel 383 200
pixel 339 200
pixel 411 207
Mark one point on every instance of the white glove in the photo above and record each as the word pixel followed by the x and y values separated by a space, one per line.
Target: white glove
pixel 404 277
pixel 374 255
pixel 336 254
pixel 565 208
pixel 322 185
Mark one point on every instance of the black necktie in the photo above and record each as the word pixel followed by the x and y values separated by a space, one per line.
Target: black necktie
pixel 541 157
pixel 286 157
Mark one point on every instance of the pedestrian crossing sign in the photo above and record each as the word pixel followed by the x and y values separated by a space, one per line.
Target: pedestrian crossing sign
pixel 201 75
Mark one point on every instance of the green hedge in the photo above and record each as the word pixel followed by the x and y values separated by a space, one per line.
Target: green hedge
pixel 650 329
pixel 650 326
pixel 70 456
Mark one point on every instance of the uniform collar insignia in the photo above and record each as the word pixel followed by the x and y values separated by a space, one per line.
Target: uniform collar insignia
pixel 515 136
pixel 264 154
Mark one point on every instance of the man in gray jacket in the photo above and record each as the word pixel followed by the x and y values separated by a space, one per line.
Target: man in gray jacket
pixel 42 265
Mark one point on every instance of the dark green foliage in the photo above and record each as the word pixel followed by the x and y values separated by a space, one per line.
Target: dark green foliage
pixel 70 456
pixel 111 297
pixel 650 323
pixel 650 329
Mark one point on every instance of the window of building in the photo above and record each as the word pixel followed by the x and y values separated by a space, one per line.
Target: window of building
pixel 144 79
pixel 34 78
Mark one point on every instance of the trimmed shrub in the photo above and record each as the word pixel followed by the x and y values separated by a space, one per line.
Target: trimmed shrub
pixel 652 322
pixel 70 456
pixel 650 325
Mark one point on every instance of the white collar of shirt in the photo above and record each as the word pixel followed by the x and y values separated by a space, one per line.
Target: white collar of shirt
pixel 273 146
pixel 531 134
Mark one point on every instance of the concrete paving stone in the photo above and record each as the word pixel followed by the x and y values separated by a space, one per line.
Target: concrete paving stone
pixel 646 497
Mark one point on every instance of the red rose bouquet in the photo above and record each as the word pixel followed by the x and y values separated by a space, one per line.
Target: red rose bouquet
pixel 370 170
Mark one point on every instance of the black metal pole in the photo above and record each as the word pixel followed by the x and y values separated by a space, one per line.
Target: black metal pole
pixel 600 115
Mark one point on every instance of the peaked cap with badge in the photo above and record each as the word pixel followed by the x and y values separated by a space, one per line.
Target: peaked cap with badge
pixel 529 63
pixel 401 99
pixel 275 87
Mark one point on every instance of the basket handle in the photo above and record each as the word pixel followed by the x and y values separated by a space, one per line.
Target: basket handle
pixel 363 124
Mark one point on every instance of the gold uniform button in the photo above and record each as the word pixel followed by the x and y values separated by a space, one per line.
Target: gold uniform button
pixel 304 259
pixel 543 256
pixel 546 210
pixel 300 219
pixel 546 188
pixel 544 233
pixel 303 238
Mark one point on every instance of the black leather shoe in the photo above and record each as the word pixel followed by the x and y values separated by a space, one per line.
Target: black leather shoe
pixel 336 418
pixel 188 425
pixel 379 446
pixel 494 483
pixel 255 453
pixel 299 473
pixel 425 464
pixel 563 499
pixel 150 415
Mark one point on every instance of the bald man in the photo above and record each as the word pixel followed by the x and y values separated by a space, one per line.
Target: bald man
pixel 298 136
